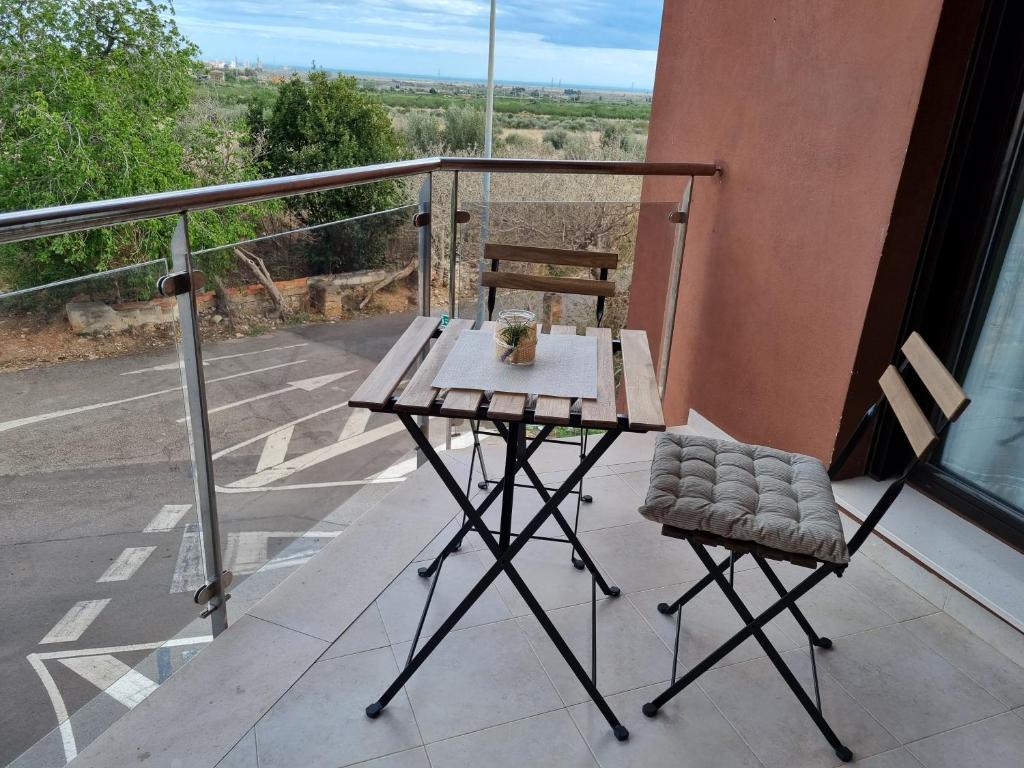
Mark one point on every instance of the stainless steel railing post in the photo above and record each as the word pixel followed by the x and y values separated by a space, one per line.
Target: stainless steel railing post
pixel 424 267
pixel 215 595
pixel 668 322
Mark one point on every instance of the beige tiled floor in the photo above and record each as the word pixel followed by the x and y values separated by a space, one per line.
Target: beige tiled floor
pixel 905 685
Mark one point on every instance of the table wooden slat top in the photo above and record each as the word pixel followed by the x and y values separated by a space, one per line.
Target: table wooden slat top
pixel 555 410
pixel 643 403
pixel 601 413
pixel 376 390
pixel 420 393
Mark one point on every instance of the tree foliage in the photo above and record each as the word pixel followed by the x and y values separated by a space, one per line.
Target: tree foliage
pixel 323 124
pixel 93 96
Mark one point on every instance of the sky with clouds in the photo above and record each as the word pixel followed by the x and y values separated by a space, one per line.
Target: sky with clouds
pixel 587 42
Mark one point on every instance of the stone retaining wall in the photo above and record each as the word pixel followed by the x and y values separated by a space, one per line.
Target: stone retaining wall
pixel 321 294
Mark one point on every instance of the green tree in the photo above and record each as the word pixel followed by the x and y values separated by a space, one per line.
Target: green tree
pixel 324 124
pixel 92 93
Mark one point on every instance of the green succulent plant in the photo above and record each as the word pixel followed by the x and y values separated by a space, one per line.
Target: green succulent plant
pixel 514 334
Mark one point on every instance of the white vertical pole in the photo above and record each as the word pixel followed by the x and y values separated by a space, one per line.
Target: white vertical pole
pixel 488 149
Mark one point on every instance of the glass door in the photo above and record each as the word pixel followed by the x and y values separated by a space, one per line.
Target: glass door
pixel 986 447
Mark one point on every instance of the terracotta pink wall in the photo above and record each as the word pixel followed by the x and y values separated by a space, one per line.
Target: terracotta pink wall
pixel 809 108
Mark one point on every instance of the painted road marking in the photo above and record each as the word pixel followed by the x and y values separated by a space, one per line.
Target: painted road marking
pixel 126 564
pixel 247 550
pixel 112 676
pixel 75 621
pixel 189 573
pixel 36 660
pixel 167 518
pixel 262 435
pixel 306 384
pixel 306 486
pixel 6 425
pixel 320 455
pixel 356 423
pixel 207 361
pixel 276 449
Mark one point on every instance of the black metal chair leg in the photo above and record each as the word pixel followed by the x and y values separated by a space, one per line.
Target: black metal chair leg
pixel 773 655
pixel 805 625
pixel 669 608
pixel 651 708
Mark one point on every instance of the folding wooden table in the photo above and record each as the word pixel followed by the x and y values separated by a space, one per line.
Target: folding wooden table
pixel 511 412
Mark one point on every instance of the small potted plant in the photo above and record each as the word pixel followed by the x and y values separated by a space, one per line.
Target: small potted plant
pixel 515 338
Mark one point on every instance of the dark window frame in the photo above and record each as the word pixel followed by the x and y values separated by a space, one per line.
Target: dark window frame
pixel 982 179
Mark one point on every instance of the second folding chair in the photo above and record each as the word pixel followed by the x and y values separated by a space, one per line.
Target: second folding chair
pixel 773 505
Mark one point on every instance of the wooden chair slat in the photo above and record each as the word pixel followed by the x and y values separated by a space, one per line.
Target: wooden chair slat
pixel 940 382
pixel 915 426
pixel 555 410
pixel 601 413
pixel 462 403
pixel 560 256
pixel 374 392
pixel 419 394
pixel 643 401
pixel 577 286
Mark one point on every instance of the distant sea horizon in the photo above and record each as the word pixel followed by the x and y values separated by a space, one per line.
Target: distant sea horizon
pixel 456 79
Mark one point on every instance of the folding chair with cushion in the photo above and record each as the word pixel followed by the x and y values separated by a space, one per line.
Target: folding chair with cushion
pixel 774 505
pixel 599 263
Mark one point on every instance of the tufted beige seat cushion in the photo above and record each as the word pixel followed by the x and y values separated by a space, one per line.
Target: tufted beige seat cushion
pixel 747 492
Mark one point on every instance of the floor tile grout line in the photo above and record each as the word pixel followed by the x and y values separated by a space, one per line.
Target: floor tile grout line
pixel 728 721
pixel 957 667
pixel 908 744
pixel 412 709
pixel 296 631
pixel 856 701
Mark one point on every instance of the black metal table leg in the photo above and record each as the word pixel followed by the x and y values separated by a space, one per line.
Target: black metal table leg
pixel 492 496
pixel 503 562
pixel 569 532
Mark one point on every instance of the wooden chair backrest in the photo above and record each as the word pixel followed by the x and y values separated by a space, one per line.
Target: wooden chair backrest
pixel 601 287
pixel 940 384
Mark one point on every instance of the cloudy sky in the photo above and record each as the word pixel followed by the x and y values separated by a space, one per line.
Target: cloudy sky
pixel 590 42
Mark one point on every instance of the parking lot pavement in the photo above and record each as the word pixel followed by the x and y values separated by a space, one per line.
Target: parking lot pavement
pixel 100 543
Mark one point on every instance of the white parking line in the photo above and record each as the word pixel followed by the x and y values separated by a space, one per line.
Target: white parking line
pixel 75 621
pixel 112 676
pixel 356 423
pixel 36 660
pixel 306 384
pixel 6 425
pixel 126 564
pixel 276 449
pixel 168 517
pixel 188 571
pixel 262 435
pixel 318 456
pixel 207 361
pixel 306 486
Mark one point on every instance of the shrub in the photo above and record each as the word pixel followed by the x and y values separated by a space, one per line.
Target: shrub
pixel 463 128
pixel 422 131
pixel 556 138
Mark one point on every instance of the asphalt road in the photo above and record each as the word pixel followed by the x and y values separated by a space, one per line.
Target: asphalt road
pixel 98 538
